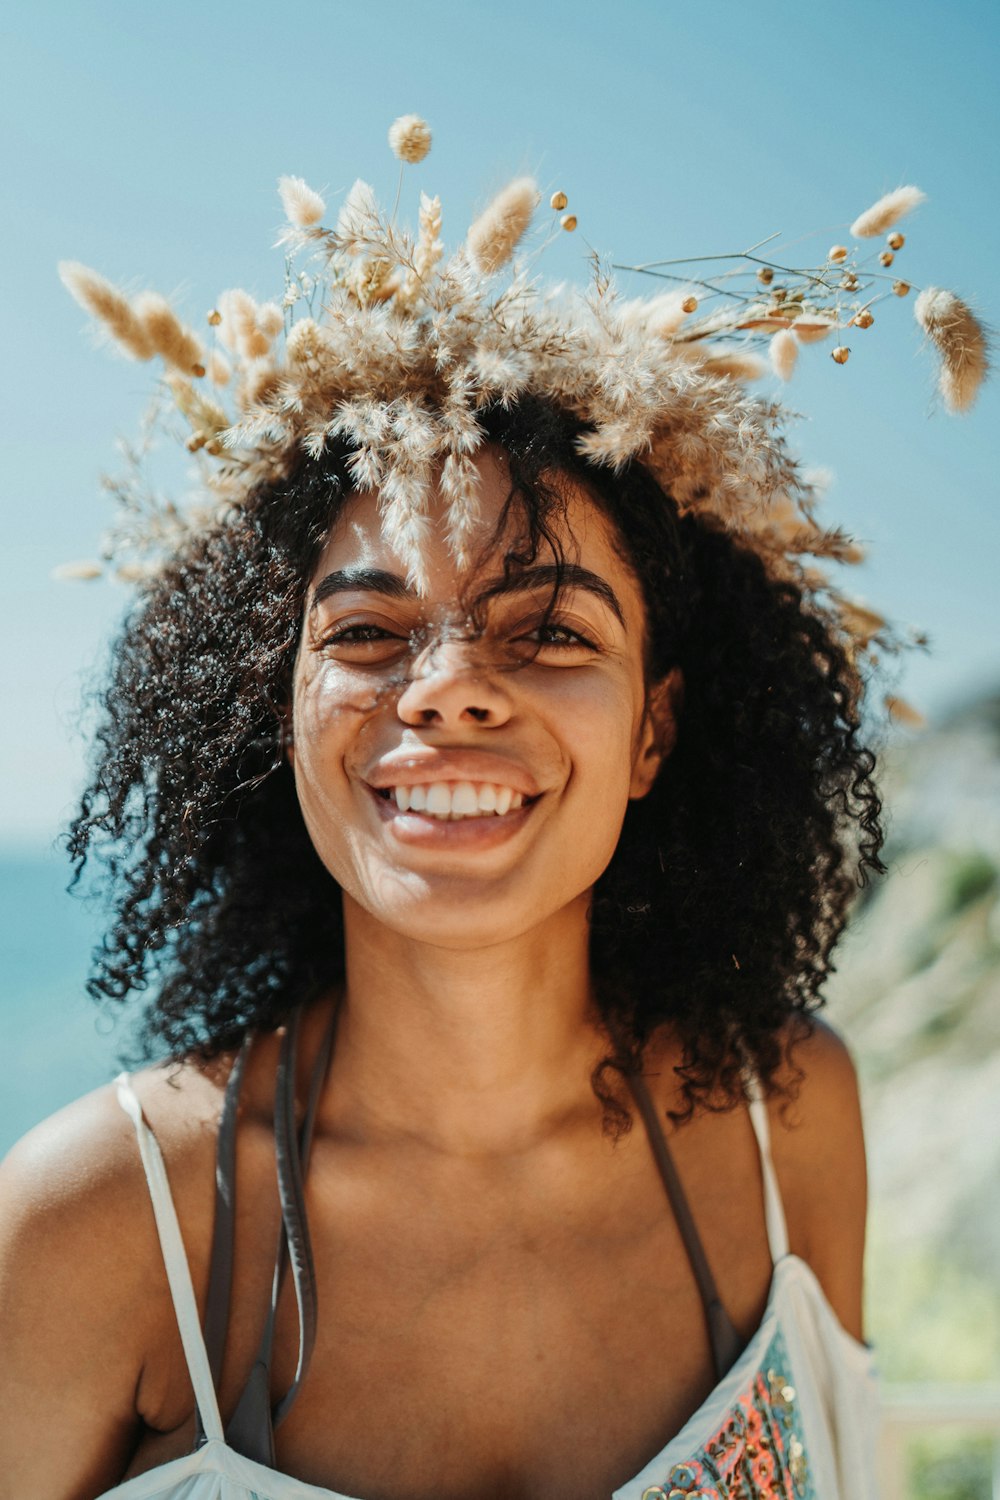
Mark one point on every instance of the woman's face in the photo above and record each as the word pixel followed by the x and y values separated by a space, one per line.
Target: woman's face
pixel 464 782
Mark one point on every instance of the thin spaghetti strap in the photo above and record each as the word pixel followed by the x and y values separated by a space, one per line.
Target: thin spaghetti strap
pixel 176 1262
pixel 723 1337
pixel 774 1209
pixel 220 1271
pixel 251 1427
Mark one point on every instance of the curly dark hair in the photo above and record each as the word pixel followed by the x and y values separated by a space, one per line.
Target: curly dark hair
pixel 731 880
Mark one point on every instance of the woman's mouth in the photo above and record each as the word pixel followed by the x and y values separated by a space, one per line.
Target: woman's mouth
pixel 452 801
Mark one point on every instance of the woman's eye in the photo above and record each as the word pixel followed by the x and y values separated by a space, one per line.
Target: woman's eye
pixel 354 634
pixel 363 635
pixel 563 636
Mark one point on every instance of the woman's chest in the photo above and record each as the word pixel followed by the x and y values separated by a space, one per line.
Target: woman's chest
pixel 522 1374
pixel 498 1337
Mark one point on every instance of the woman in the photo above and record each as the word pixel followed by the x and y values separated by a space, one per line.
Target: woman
pixel 489 857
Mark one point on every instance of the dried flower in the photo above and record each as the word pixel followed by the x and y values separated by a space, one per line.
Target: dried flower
pixel 82 569
pixel 219 370
pixel 358 217
pixel 960 340
pixel 558 201
pixel 765 275
pixel 494 235
pixel 239 329
pixel 690 304
pixel 784 351
pixel 837 254
pixel 904 713
pixel 901 288
pixel 568 221
pixel 110 306
pixel 811 330
pixel 737 364
pixel 427 251
pixel 169 337
pixel 270 319
pixel 214 318
pixel 302 206
pixel 861 620
pixel 896 241
pixel 410 138
pixel 886 258
pixel 863 319
pixel 886 212
pixel 841 354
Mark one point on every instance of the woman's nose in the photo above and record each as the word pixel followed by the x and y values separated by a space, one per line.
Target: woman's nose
pixel 452 684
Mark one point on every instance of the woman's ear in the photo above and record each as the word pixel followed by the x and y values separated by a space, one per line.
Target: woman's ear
pixel 664 704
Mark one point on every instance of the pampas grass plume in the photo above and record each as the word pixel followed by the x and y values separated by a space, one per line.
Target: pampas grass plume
pixel 109 306
pixel 784 351
pixel 886 212
pixel 410 138
pixel 493 237
pixel 960 340
pixel 303 207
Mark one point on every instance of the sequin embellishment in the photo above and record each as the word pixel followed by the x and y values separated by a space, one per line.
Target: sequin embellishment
pixel 757 1454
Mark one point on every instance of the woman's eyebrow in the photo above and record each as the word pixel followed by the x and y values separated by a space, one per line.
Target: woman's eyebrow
pixel 548 575
pixel 544 575
pixel 366 580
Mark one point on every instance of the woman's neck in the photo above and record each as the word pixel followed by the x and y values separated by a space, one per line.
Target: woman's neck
pixel 471 1051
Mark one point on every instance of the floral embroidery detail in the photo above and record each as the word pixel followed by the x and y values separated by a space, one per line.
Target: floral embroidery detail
pixel 757 1454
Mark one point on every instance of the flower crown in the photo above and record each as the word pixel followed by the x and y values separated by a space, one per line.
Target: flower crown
pixel 381 341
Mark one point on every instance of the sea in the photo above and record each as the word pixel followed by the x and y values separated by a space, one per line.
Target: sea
pixel 55 1042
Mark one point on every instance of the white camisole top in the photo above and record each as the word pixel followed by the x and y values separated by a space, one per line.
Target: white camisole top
pixel 795 1417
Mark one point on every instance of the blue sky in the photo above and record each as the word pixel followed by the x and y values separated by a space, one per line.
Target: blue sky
pixel 146 141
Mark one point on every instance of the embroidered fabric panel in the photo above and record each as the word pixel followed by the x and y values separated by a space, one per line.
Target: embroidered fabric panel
pixel 757 1454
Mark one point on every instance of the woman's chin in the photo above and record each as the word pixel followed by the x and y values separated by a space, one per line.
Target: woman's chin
pixel 454 913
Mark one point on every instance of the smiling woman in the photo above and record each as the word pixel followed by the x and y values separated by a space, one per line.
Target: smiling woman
pixel 541 796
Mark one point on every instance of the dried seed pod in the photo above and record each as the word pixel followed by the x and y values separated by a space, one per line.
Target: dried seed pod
pixel 689 305
pixel 886 258
pixel 841 354
pixel 901 288
pixel 568 221
pixel 896 241
pixel 864 319
pixel 765 275
pixel 214 317
pixel 849 283
pixel 558 201
pixel 837 254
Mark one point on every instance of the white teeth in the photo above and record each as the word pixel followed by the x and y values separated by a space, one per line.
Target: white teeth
pixel 439 798
pixel 455 800
pixel 464 802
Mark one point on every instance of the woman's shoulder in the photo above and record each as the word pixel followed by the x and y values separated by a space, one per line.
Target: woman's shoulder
pixel 82 1161
pixel 817 1144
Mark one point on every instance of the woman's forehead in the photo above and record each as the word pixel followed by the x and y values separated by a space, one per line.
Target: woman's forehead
pixel 359 536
